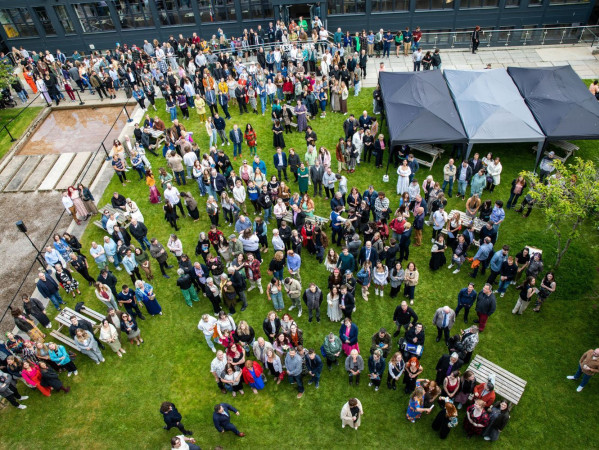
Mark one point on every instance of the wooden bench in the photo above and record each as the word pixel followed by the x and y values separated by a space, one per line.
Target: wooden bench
pixel 435 152
pixel 533 250
pixel 64 318
pixel 64 339
pixel 566 146
pixel 322 222
pixel 466 221
pixel 507 385
pixel 121 216
pixel 93 314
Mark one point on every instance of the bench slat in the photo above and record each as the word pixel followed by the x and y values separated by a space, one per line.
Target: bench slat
pixel 487 363
pixel 64 339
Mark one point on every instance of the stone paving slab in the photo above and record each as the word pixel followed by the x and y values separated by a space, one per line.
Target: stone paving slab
pixel 74 170
pixel 94 168
pixel 10 170
pixel 23 174
pixel 61 164
pixel 40 172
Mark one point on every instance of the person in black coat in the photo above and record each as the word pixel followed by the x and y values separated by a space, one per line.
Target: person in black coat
pixel 240 286
pixel 267 326
pixel 118 201
pixel 140 232
pixel 404 317
pixel 121 234
pixel 415 336
pixel 172 418
pixel 404 242
pixel 35 308
pixel 107 277
pixel 447 364
pixel 367 252
pixel 222 419
pixel 299 217
pixel 347 301
pixel 77 323
pixel 50 379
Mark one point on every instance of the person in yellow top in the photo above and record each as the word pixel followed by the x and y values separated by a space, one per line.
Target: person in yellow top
pixel 223 87
pixel 200 107
pixel 151 182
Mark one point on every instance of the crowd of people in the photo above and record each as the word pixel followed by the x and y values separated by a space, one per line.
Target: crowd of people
pixel 367 250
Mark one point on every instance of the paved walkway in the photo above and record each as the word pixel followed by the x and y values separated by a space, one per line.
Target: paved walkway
pixel 580 57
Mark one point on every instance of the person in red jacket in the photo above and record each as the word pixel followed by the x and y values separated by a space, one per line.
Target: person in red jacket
pixel 252 375
pixel 485 392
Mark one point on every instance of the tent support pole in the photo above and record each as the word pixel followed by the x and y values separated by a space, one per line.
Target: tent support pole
pixel 468 150
pixel 541 147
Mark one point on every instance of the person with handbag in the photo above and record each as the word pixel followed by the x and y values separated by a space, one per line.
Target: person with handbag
pixel 144 292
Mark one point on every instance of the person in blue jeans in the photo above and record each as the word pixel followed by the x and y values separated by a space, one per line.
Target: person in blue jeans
pixel 588 365
pixel 236 137
pixel 293 363
pixel 49 289
pixel 314 366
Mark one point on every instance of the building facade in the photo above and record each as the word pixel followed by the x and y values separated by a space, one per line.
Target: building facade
pixel 86 25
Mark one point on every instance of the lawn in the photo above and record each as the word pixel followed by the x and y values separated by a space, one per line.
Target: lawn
pixel 117 403
pixel 17 127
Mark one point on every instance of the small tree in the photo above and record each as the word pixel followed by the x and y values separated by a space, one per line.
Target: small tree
pixel 567 200
pixel 6 74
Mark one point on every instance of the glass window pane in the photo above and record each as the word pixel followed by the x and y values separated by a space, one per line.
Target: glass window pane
pixel 335 7
pixel 512 3
pixel 402 5
pixel 361 6
pixel 42 16
pixel 423 4
pixel 17 22
pixel 133 14
pixel 490 3
pixel 535 2
pixel 94 17
pixel 64 19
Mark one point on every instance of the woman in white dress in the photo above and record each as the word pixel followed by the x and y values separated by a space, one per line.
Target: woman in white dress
pixel 380 276
pixel 403 180
pixel 133 210
pixel 333 310
pixel 330 262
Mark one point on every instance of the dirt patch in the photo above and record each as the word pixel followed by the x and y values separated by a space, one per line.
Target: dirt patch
pixel 39 211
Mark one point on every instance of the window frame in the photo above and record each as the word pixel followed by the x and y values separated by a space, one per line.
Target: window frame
pixel 23 23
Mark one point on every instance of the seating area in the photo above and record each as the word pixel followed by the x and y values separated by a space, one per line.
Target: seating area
pixel 64 320
pixel 567 147
pixel 121 216
pixel 507 385
pixel 430 150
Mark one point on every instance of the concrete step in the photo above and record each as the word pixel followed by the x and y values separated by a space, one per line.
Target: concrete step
pixel 61 164
pixel 23 174
pixel 11 169
pixel 93 168
pixel 71 175
pixel 39 174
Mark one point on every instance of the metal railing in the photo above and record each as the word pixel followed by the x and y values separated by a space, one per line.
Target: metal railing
pixel 513 37
pixel 81 177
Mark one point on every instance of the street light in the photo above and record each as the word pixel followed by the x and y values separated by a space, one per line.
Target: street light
pixel 23 229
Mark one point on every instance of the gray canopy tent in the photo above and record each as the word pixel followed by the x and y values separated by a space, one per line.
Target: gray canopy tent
pixel 491 108
pixel 419 109
pixel 560 102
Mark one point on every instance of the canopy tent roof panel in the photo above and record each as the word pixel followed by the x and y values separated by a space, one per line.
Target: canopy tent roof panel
pixel 559 100
pixel 419 109
pixel 491 107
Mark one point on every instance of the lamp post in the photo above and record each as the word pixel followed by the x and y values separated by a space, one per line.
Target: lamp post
pixel 23 229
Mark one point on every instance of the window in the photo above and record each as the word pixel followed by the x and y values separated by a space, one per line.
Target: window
pixel 423 5
pixel 133 14
pixel 256 9
pixel 563 2
pixel 469 4
pixel 512 3
pixel 17 23
pixel 346 6
pixel 219 10
pixel 94 17
pixel 65 21
pixel 390 5
pixel 535 2
pixel 175 12
pixel 42 16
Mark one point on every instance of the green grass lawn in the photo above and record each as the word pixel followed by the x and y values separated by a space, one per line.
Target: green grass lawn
pixel 117 403
pixel 17 127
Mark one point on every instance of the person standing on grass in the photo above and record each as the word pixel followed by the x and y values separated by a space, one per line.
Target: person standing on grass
pixel 293 363
pixel 485 306
pixel 351 414
pixel 172 418
pixel 185 283
pixel 588 365
pixel 183 443
pixel 8 390
pixel 222 419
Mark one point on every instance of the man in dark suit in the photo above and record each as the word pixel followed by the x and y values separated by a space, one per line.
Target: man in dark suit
pixel 475 163
pixel 299 217
pixel 418 202
pixel 368 253
pixel 121 234
pixel 222 419
pixel 446 365
pixel 346 301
